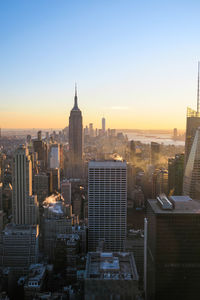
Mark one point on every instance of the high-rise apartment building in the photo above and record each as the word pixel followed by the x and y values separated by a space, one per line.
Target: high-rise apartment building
pixel 172 247
pixel 75 138
pixel 24 204
pixel 191 179
pixel 107 204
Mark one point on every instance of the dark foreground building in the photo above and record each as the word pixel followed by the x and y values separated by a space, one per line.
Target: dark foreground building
pixel 111 275
pixel 173 248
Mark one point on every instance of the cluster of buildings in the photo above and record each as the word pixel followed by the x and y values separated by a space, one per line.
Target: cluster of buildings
pixel 67 232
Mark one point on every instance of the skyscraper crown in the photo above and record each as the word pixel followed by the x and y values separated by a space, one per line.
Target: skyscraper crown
pixel 75 100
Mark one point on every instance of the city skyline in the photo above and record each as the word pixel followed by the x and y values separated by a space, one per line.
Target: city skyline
pixel 128 61
pixel 99 150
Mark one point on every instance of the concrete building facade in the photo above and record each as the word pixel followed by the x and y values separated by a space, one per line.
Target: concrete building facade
pixel 107 204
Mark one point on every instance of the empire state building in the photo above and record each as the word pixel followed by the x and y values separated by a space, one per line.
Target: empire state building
pixel 75 138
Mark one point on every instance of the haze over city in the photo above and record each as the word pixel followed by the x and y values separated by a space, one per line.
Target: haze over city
pixel 134 62
pixel 99 150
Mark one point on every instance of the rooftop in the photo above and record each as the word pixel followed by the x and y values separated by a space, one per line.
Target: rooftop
pixel 181 205
pixel 111 266
pixel 14 229
pixel 35 276
pixel 107 164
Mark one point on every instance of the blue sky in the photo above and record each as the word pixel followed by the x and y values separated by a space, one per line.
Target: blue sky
pixel 135 62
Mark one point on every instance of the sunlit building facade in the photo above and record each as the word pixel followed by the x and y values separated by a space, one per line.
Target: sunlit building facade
pixel 54 156
pixel 24 204
pixel 193 122
pixel 191 179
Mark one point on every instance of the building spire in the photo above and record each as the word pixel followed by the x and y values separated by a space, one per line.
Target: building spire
pixel 75 98
pixel 198 90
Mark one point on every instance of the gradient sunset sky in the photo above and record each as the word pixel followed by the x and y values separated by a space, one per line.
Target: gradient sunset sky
pixel 135 62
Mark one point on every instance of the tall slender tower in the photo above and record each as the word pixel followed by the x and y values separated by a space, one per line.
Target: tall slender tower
pixel 24 204
pixel 75 137
pixel 193 122
pixel 103 125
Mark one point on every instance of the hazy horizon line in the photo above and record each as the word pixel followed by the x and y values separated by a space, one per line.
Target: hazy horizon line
pixel 123 129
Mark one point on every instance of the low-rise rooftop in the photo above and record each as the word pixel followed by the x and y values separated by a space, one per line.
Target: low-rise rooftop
pixel 111 266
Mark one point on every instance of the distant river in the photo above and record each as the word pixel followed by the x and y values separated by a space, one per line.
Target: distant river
pixel 148 138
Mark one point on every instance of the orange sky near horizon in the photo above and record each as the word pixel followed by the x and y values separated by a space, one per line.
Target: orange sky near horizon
pixel 120 119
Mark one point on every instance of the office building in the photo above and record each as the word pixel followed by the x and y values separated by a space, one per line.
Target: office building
pixel 3 220
pixel 55 221
pixel 103 125
pixel 75 139
pixel 54 156
pixel 107 204
pixel 35 280
pixel 175 133
pixel 159 182
pixel 135 244
pixel 155 153
pixel 19 247
pixel 55 179
pixel 175 174
pixel 172 247
pixel 40 147
pixel 41 186
pixel 66 191
pixel 1 195
pixel 111 276
pixel 192 123
pixel 24 204
pixel 191 178
pixel 91 130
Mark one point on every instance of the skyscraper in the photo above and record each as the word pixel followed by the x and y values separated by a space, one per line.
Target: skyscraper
pixel 155 153
pixel 172 260
pixel 91 130
pixel 24 204
pixel 193 122
pixel 41 148
pixel 191 179
pixel 107 204
pixel 175 174
pixel 103 125
pixel 75 137
pixel 54 156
